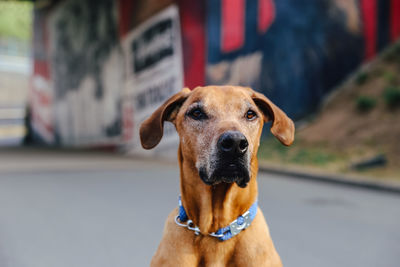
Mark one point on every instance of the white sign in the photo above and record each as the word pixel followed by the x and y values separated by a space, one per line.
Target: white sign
pixel 154 72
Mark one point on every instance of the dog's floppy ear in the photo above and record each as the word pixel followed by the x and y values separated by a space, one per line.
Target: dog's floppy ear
pixel 282 126
pixel 151 130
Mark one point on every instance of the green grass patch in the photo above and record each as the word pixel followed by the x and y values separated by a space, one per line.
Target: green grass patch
pixel 298 154
pixel 391 96
pixel 272 149
pixel 361 78
pixel 312 156
pixel 365 103
pixel 389 77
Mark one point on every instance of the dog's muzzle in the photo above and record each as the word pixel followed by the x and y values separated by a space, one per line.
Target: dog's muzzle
pixel 230 162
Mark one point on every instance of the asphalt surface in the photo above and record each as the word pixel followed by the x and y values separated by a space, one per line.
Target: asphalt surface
pixel 64 209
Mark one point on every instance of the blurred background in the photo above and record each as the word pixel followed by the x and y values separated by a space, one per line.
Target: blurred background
pixel 77 77
pixel 86 73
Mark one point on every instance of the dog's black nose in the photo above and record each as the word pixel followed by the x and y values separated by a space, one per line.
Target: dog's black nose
pixel 233 142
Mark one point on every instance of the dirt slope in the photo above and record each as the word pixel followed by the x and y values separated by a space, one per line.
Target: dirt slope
pixel 358 121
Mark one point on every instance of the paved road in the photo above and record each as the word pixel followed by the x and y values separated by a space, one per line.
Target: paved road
pixel 84 209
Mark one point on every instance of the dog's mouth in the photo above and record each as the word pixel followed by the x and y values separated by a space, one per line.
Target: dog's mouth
pixel 226 172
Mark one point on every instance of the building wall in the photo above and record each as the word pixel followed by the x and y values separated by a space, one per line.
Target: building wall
pixel 84 92
pixel 78 73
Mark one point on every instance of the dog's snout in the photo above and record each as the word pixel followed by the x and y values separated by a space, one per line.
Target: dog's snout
pixel 233 142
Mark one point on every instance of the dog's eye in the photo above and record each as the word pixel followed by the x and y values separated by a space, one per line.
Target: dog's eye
pixel 197 114
pixel 251 115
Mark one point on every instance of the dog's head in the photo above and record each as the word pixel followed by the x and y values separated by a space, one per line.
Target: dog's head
pixel 219 129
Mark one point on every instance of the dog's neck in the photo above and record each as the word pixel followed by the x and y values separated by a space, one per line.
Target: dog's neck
pixel 216 206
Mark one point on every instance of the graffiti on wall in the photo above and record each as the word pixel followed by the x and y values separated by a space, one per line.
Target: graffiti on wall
pixel 292 51
pixel 41 93
pixel 96 78
pixel 87 71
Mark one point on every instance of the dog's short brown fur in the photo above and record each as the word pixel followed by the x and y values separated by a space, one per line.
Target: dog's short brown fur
pixel 212 203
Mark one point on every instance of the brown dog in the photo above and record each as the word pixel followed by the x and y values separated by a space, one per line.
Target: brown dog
pixel 219 129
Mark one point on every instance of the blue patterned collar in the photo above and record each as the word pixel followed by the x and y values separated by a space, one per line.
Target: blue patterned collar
pixel 224 233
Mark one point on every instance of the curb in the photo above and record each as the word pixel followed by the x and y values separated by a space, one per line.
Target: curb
pixel 338 179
